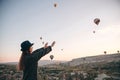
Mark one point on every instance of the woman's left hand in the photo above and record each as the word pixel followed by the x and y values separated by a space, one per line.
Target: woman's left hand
pixel 46 45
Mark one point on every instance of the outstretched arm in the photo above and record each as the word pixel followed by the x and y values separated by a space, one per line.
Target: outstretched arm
pixel 47 48
pixel 39 53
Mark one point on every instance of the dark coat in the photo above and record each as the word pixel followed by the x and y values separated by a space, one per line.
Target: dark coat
pixel 31 63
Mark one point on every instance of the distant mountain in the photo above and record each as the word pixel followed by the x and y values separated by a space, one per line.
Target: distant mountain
pixel 10 63
pixel 78 61
pixel 48 62
pixel 94 59
pixel 40 63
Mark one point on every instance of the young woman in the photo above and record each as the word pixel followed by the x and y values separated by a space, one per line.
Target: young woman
pixel 28 62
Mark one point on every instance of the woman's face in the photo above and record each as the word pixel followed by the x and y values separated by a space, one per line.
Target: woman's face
pixel 31 49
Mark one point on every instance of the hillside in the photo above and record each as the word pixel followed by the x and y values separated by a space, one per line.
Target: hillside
pixel 40 63
pixel 94 59
pixel 78 61
pixel 48 62
pixel 101 67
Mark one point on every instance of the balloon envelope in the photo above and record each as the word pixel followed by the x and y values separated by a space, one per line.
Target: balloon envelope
pixel 55 4
pixel 41 38
pixel 93 31
pixel 51 57
pixel 105 52
pixel 118 51
pixel 97 21
pixel 42 42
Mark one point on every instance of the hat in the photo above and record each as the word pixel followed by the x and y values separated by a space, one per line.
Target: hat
pixel 26 45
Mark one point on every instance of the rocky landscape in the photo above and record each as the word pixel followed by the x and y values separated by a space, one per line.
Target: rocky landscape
pixel 100 67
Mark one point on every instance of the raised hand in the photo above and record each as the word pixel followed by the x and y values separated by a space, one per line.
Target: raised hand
pixel 46 45
pixel 53 43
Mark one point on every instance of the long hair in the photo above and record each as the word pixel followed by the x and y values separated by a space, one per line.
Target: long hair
pixel 21 62
pixel 21 65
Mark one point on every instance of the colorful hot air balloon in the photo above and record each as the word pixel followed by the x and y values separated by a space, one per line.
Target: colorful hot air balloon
pixel 97 21
pixel 51 57
pixel 105 52
pixel 55 4
pixel 61 49
pixel 41 38
pixel 118 51
pixel 93 31
pixel 42 42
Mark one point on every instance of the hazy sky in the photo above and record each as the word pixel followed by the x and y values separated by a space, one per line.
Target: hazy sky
pixel 70 24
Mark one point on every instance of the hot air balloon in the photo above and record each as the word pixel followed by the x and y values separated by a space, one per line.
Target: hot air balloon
pixel 41 38
pixel 105 52
pixel 118 51
pixel 93 31
pixel 55 4
pixel 97 21
pixel 61 49
pixel 51 57
pixel 42 42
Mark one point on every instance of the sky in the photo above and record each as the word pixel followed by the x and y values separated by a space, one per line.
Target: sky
pixel 70 24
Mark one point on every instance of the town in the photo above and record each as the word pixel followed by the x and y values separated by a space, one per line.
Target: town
pixel 101 70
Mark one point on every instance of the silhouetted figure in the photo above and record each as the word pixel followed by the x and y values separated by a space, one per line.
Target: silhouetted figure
pixel 28 62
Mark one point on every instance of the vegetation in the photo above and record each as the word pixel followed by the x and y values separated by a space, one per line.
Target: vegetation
pixel 63 72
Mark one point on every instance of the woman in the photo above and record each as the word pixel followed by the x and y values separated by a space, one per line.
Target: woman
pixel 28 62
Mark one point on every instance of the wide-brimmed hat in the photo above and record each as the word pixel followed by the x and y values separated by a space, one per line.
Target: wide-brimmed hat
pixel 26 45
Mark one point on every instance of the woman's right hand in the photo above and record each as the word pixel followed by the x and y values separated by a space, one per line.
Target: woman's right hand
pixel 53 43
pixel 46 44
